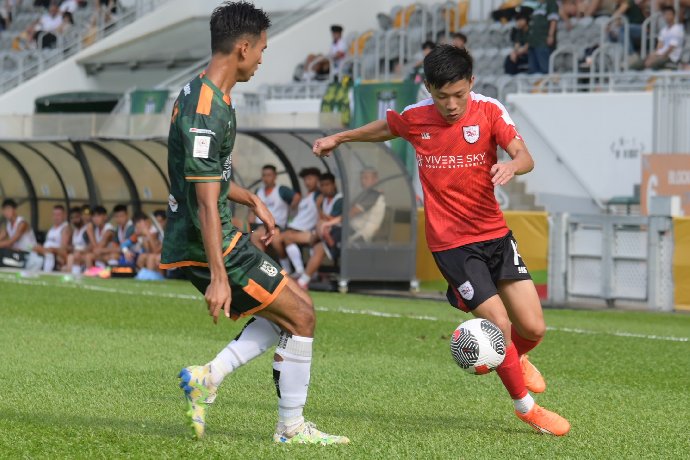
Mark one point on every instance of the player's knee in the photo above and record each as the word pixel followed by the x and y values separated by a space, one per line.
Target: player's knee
pixel 535 331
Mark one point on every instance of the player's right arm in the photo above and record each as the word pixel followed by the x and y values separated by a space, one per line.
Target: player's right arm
pixel 217 294
pixel 376 131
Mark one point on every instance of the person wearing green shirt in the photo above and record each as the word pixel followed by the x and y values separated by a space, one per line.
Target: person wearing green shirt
pixel 200 240
pixel 542 35
pixel 516 61
pixel 635 17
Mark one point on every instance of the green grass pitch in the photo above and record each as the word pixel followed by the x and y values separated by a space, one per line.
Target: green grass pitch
pixel 89 371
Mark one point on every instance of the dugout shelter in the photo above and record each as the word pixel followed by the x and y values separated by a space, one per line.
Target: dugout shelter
pixel 39 174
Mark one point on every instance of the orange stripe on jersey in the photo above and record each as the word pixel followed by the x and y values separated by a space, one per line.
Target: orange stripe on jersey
pixel 194 263
pixel 205 100
pixel 203 177
pixel 227 99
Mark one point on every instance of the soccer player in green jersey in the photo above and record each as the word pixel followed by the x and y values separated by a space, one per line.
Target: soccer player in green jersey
pixel 235 276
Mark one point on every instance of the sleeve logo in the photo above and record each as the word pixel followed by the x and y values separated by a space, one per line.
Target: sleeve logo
pixel 202 145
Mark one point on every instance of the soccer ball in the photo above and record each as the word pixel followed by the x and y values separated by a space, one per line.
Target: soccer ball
pixel 478 346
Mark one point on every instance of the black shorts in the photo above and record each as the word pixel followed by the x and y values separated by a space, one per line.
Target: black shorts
pixel 255 279
pixel 474 270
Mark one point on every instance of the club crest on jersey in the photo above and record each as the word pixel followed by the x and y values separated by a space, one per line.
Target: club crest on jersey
pixel 466 290
pixel 471 133
pixel 269 269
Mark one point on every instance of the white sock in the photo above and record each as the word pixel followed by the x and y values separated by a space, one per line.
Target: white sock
pixel 291 377
pixel 295 256
pixel 258 335
pixel 48 262
pixel 525 404
pixel 304 278
pixel 285 263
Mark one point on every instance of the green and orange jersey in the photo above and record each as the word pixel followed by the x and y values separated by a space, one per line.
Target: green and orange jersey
pixel 200 143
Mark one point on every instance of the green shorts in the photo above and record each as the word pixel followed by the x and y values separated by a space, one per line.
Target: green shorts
pixel 255 279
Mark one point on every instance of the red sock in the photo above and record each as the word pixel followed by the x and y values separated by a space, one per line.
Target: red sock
pixel 522 345
pixel 510 372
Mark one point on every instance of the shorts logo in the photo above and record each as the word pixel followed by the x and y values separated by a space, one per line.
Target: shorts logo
pixel 269 269
pixel 466 290
pixel 471 133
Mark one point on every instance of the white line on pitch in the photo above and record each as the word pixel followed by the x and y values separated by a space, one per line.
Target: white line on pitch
pixel 349 311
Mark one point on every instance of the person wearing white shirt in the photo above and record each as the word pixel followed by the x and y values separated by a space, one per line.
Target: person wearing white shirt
pixel 17 234
pixel 338 47
pixel 318 65
pixel 670 42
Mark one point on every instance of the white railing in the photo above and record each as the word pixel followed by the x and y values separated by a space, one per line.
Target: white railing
pixel 32 64
pixel 671 116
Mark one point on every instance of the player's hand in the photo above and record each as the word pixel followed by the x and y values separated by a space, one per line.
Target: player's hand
pixel 218 297
pixel 261 211
pixel 324 146
pixel 502 173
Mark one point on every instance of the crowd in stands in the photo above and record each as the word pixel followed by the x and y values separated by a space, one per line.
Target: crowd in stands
pixel 534 37
pixel 86 241
pixel 53 20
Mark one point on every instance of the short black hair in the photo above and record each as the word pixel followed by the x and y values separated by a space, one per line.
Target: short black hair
pixel 120 208
pixel 309 172
pixel 666 8
pixel 271 167
pixel 232 20
pixel 99 210
pixel 9 202
pixel 337 28
pixel 75 210
pixel 447 64
pixel 460 35
pixel 428 45
pixel 160 213
pixel 327 176
pixel 59 206
pixel 86 209
pixel 139 216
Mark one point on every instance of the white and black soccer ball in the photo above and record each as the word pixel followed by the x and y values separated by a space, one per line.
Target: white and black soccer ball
pixel 478 346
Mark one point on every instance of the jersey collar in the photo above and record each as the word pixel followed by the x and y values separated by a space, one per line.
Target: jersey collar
pixel 226 98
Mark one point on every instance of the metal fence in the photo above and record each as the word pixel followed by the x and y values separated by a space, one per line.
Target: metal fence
pixel 611 259
pixel 37 61
pixel 671 133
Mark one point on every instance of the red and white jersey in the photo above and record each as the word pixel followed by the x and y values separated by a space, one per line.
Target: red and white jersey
pixel 454 167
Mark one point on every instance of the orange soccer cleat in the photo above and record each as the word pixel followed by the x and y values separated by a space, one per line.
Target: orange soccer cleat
pixel 533 378
pixel 545 421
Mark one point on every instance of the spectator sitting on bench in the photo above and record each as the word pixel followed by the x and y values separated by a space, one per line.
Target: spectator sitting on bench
pixel 330 205
pixel 78 244
pixel 279 200
pixel 54 250
pixel 17 235
pixel 143 247
pixel 366 216
pixel 304 221
pixel 101 236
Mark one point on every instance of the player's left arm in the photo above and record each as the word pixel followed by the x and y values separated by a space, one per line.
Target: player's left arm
pixel 243 196
pixel 521 163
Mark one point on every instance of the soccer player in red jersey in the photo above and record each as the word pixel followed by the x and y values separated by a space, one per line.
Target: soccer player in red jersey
pixel 455 134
